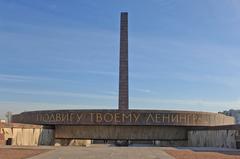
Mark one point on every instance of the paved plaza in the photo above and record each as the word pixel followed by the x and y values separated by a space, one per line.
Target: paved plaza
pixel 137 152
pixel 102 151
pixel 97 151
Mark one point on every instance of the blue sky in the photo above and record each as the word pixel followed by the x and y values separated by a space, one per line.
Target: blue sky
pixel 59 54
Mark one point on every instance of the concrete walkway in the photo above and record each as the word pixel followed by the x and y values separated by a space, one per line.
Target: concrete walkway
pixel 96 152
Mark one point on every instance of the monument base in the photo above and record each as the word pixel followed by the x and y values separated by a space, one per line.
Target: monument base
pixel 211 136
pixel 72 142
pixel 121 132
pixel 159 127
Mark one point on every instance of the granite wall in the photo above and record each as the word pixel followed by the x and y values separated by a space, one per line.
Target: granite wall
pixel 225 136
pixel 27 135
pixel 121 132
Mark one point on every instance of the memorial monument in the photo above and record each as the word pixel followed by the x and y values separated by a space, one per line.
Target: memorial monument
pixel 122 123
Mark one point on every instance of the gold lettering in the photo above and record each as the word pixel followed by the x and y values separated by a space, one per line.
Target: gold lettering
pixel 71 117
pixel 98 117
pixel 79 116
pixel 198 119
pixel 168 117
pixel 108 117
pixel 52 117
pixel 126 116
pixel 58 117
pixel 150 117
pixel 174 118
pixel 183 118
pixel 46 118
pixel 136 117
pixel 64 117
pixel 117 117
pixel 158 117
pixel 194 119
pixel 91 114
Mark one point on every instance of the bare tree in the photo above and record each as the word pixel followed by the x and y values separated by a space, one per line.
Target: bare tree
pixel 8 115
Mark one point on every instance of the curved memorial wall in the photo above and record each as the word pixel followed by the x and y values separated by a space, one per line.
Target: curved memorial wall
pixel 123 117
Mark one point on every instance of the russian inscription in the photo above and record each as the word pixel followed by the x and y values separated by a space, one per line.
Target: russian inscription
pixel 126 117
pixel 121 118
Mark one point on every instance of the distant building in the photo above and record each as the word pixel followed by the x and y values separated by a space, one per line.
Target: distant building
pixel 234 113
pixel 2 121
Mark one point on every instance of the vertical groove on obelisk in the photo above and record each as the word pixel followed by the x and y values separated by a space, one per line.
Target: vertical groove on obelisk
pixel 123 68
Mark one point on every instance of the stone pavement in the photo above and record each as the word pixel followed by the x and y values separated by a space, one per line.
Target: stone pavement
pixel 104 151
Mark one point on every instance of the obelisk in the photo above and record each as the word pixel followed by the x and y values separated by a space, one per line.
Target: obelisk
pixel 123 67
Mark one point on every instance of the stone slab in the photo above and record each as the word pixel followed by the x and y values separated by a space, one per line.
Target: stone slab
pixel 28 135
pixel 105 153
pixel 212 138
pixel 123 117
pixel 121 132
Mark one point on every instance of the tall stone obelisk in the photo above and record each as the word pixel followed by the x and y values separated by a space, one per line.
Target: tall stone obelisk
pixel 123 67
